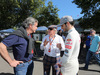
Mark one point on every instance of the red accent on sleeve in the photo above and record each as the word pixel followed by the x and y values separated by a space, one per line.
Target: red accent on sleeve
pixel 32 52
pixel 67 46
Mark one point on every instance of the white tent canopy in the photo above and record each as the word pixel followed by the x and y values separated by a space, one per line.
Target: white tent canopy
pixel 42 28
pixel 59 28
pixel 7 30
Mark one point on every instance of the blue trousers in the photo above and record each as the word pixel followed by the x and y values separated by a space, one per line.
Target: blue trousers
pixel 88 58
pixel 24 68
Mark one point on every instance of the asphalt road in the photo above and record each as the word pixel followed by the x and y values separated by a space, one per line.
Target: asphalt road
pixel 5 69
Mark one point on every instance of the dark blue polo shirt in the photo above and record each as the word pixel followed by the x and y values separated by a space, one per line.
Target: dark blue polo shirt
pixel 20 46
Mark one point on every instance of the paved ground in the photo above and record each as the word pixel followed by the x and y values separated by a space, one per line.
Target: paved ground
pixel 5 69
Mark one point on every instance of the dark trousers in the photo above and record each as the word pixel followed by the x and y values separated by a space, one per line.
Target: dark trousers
pixel 88 58
pixel 87 48
pixel 49 62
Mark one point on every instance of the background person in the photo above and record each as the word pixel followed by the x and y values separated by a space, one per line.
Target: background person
pixel 94 49
pixel 88 43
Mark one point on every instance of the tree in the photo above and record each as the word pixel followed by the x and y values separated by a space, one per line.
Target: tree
pixel 13 12
pixel 48 15
pixel 91 11
pixel 7 13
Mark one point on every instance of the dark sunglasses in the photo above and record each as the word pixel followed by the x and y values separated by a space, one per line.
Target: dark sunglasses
pixel 50 28
pixel 91 31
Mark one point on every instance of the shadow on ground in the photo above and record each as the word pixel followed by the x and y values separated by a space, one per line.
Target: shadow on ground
pixel 6 74
pixel 82 57
pixel 38 59
pixel 81 68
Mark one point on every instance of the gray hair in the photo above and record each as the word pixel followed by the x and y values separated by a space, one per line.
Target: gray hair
pixel 29 20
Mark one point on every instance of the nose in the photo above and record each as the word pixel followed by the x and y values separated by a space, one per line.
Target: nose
pixel 36 28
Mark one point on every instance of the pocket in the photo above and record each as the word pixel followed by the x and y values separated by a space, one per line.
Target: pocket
pixel 21 67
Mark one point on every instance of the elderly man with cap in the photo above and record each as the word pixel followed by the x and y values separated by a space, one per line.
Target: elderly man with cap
pixel 52 44
pixel 23 45
pixel 69 61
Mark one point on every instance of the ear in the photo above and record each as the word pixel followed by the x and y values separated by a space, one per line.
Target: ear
pixel 30 25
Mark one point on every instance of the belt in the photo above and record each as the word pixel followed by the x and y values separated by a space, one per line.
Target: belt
pixel 27 61
pixel 49 56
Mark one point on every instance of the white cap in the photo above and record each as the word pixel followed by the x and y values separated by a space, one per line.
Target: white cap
pixel 65 19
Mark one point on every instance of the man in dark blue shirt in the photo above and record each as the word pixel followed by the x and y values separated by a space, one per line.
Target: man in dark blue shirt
pixel 88 43
pixel 23 46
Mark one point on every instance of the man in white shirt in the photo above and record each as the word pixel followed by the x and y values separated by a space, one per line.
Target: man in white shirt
pixel 69 61
pixel 52 44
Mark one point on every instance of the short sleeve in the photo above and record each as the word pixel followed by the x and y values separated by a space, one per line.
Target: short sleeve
pixel 10 40
pixel 98 38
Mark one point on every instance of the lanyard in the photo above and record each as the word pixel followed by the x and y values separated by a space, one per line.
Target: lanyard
pixel 91 40
pixel 50 43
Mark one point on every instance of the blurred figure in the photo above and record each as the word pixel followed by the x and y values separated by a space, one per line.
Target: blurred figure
pixel 37 38
pixel 60 32
pixel 88 43
pixel 94 49
pixel 82 44
pixel 64 36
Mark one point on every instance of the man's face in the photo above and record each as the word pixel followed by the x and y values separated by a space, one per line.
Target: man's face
pixel 51 31
pixel 92 32
pixel 34 27
pixel 64 27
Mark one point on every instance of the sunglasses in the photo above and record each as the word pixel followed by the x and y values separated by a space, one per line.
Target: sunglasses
pixel 91 31
pixel 50 28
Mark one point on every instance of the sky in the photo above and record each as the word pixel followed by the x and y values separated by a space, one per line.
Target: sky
pixel 66 7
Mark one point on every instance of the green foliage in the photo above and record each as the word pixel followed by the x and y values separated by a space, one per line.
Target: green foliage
pixel 13 12
pixel 48 15
pixel 91 11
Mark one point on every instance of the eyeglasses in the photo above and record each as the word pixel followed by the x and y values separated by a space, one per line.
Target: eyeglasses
pixel 50 28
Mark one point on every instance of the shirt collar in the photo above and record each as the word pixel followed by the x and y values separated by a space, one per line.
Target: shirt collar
pixel 71 30
pixel 54 35
pixel 94 35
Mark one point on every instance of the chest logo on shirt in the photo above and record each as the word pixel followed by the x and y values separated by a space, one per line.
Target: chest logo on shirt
pixel 68 47
pixel 69 40
pixel 68 44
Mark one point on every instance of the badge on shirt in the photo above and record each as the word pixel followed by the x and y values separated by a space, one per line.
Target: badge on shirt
pixel 66 50
pixel 68 44
pixel 49 50
pixel 69 40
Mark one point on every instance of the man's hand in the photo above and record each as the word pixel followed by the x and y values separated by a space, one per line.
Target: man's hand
pixel 97 52
pixel 45 42
pixel 59 45
pixel 59 65
pixel 14 63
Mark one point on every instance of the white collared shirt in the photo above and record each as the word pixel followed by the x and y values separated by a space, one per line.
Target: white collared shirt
pixel 55 51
